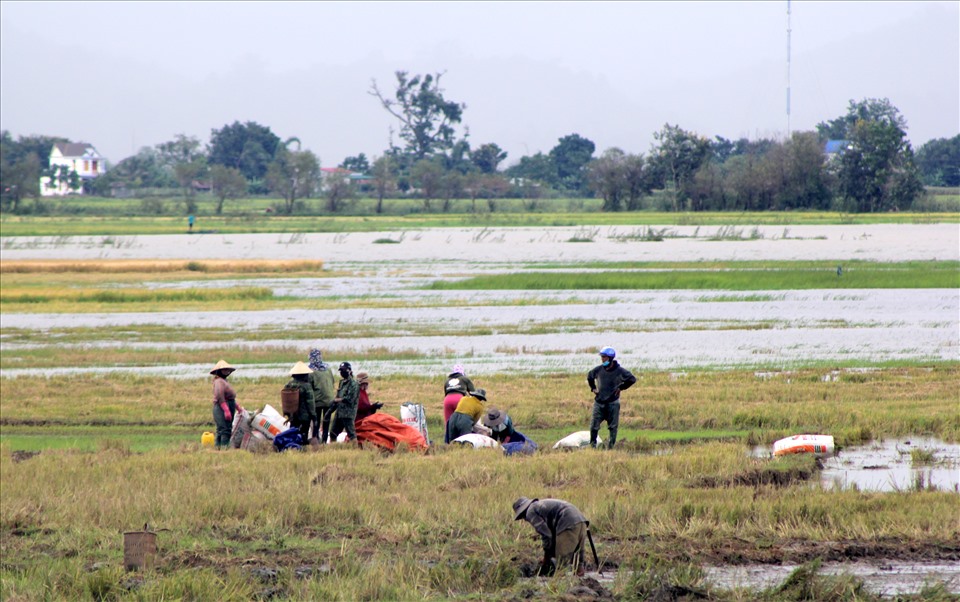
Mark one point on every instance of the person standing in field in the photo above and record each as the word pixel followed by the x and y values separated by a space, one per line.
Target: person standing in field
pixel 324 388
pixel 190 220
pixel 224 403
pixel 606 381
pixel 307 411
pixel 456 386
pixel 562 529
pixel 469 411
pixel 348 395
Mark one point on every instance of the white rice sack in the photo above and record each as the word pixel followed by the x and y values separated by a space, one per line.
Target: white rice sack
pixel 576 440
pixel 476 440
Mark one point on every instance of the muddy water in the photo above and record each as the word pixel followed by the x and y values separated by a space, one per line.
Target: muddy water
pixel 884 578
pixel 905 464
pixel 893 465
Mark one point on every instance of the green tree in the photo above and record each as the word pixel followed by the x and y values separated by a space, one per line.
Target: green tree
pixel 187 174
pixel 338 191
pixel 879 110
pixel 182 149
pixel 427 175
pixel 293 175
pixel 249 147
pixel 359 164
pixel 538 168
pixel 427 119
pixel 939 162
pixel 143 170
pixel 63 174
pixel 384 180
pixel 677 155
pixel 487 157
pixel 19 179
pixel 226 183
pixel 570 157
pixel 876 171
pixel 608 178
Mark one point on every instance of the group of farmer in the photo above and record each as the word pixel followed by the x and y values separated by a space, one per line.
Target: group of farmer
pixel 325 408
pixel 561 526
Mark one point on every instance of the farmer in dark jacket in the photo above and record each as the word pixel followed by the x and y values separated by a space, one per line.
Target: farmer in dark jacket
pixel 348 395
pixel 606 381
pixel 307 412
pixel 562 529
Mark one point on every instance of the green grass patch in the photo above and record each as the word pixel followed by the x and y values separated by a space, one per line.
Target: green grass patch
pixel 933 274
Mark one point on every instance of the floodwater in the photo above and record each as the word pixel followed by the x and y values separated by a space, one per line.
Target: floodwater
pixel 886 578
pixel 905 464
pixel 883 578
pixel 895 465
pixel 880 242
pixel 552 330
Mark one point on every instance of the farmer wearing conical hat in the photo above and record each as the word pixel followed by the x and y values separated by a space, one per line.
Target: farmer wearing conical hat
pixel 307 411
pixel 224 403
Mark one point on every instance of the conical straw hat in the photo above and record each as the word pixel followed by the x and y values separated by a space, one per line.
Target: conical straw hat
pixel 222 365
pixel 300 368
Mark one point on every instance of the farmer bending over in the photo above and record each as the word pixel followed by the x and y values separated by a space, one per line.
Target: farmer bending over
pixel 561 526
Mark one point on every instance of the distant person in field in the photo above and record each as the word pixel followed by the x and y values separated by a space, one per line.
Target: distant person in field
pixel 364 407
pixel 190 220
pixel 469 411
pixel 562 529
pixel 606 381
pixel 502 430
pixel 324 390
pixel 307 411
pixel 348 395
pixel 456 386
pixel 224 403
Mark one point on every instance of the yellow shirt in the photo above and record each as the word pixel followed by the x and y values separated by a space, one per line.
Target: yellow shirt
pixel 471 406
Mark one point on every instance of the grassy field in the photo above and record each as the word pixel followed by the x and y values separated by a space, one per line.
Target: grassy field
pixel 85 457
pixel 117 286
pixel 358 525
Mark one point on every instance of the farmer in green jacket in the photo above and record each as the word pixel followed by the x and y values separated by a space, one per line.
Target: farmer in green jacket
pixel 307 412
pixel 323 393
pixel 348 394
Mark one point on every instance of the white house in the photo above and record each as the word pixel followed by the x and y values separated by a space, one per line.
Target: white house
pixel 79 157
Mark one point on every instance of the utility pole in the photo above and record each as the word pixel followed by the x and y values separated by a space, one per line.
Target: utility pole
pixel 788 69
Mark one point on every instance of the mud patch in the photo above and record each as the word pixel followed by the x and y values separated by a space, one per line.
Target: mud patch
pixel 883 578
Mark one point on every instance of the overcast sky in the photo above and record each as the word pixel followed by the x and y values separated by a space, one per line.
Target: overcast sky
pixel 123 75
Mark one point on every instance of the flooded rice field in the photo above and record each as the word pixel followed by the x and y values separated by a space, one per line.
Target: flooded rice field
pixel 554 330
pixel 911 464
pixel 895 465
pixel 881 242
pixel 886 578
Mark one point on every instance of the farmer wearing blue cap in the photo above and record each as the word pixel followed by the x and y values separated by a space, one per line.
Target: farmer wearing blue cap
pixel 606 381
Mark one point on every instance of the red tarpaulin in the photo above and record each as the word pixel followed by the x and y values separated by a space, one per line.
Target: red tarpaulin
pixel 383 430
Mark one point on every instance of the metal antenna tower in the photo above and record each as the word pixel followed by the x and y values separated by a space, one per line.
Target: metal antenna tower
pixel 788 69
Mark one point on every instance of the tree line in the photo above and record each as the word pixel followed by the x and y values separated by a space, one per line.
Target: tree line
pixel 873 169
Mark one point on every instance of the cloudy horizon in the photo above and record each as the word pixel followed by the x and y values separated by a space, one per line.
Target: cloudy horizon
pixel 122 76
